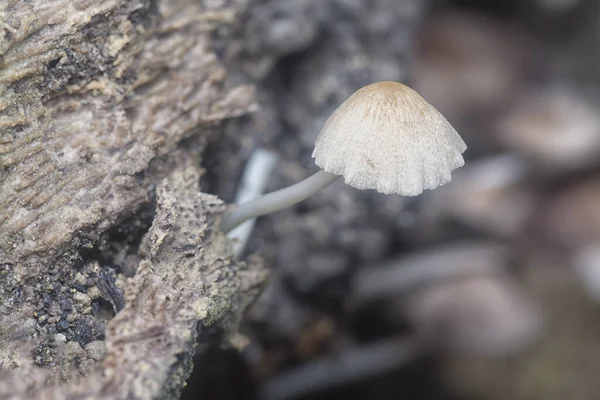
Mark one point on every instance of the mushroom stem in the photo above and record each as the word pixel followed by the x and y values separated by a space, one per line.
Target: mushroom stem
pixel 277 200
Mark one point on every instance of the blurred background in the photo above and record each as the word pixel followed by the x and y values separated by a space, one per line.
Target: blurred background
pixel 484 289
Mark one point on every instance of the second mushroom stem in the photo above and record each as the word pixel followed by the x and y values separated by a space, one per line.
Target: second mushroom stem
pixel 277 200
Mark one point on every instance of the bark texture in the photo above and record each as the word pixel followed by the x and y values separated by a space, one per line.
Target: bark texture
pixel 100 101
pixel 186 284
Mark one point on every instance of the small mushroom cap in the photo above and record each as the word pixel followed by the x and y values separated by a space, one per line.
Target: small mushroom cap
pixel 387 137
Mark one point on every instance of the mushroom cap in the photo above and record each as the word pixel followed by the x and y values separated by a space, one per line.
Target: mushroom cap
pixel 387 137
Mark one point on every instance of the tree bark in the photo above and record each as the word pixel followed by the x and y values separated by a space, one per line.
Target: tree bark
pixel 100 102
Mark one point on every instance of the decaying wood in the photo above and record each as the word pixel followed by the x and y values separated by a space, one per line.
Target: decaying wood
pixel 96 99
pixel 188 283
pixel 91 93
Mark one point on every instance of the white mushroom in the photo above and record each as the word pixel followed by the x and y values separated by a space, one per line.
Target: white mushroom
pixel 385 137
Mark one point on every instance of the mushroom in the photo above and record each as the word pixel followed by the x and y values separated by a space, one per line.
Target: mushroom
pixel 386 137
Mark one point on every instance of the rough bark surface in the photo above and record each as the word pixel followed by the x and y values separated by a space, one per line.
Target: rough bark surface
pixel 185 285
pixel 99 102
